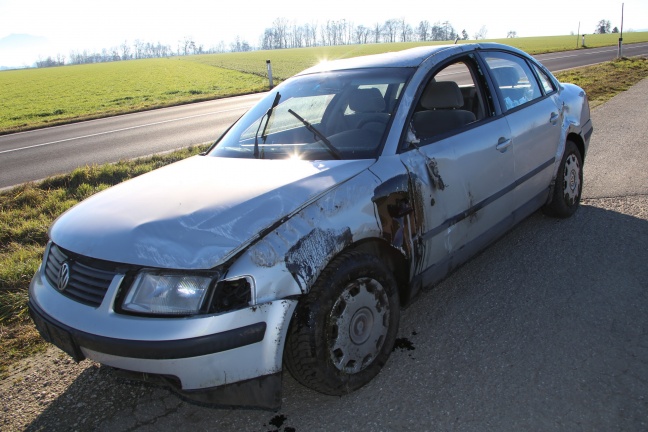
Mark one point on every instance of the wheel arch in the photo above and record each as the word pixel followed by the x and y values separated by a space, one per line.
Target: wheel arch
pixel 580 143
pixel 397 263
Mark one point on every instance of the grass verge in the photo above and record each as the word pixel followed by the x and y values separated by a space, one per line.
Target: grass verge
pixel 604 81
pixel 27 211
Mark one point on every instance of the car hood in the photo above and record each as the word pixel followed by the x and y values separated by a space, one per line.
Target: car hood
pixel 196 213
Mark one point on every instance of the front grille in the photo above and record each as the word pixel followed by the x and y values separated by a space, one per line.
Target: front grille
pixel 87 284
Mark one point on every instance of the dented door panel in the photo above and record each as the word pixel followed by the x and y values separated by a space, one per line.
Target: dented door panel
pixel 461 183
pixel 435 178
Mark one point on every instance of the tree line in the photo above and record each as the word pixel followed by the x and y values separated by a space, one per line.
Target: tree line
pixel 284 34
pixel 126 51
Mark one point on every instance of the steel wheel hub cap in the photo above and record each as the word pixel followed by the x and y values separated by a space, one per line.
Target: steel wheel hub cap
pixel 571 180
pixel 359 323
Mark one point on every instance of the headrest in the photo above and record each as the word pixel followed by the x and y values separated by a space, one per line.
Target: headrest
pixel 442 94
pixel 367 100
pixel 506 76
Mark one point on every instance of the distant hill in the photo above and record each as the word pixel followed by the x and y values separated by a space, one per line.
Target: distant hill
pixel 21 50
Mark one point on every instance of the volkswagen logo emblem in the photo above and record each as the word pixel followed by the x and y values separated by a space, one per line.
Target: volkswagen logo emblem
pixel 63 277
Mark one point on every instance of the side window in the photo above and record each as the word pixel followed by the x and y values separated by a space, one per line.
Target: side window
pixel 545 81
pixel 513 78
pixel 451 100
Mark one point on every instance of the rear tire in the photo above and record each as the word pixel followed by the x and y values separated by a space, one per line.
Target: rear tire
pixel 344 329
pixel 569 184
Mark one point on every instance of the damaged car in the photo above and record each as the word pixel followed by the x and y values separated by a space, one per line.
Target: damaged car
pixel 297 238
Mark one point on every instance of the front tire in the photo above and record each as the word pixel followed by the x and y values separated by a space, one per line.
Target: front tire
pixel 569 184
pixel 344 329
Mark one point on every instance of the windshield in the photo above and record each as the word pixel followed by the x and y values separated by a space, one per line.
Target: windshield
pixel 332 115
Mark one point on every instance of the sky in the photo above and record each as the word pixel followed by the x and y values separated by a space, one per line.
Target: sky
pixel 60 26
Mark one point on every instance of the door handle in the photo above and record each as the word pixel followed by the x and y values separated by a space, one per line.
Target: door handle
pixel 503 144
pixel 554 118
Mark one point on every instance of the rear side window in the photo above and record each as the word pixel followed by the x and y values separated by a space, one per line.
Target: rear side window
pixel 547 84
pixel 513 78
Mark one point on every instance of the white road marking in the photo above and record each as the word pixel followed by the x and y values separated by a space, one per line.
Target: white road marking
pixel 119 130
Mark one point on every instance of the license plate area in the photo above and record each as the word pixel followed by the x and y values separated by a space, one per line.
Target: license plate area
pixel 57 336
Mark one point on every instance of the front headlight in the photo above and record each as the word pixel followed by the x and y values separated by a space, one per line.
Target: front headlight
pixel 167 293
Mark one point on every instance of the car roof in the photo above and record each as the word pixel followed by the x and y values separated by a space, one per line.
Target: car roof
pixel 411 57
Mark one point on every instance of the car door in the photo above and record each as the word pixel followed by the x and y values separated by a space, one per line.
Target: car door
pixel 535 122
pixel 460 166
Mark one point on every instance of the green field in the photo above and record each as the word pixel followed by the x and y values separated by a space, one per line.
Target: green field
pixel 33 98
pixel 44 97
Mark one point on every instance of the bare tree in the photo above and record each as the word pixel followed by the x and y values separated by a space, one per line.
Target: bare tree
pixel 377 32
pixel 297 35
pixel 280 26
pixel 311 34
pixel 362 34
pixel 423 30
pixel 125 51
pixel 350 30
pixel 390 28
pixel 481 34
pixel 437 32
pixel 139 48
pixel 405 31
pixel 267 40
pixel 603 27
pixel 511 34
pixel 325 34
pixel 447 31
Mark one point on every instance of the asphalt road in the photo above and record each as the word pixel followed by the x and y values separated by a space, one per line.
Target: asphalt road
pixel 38 154
pixel 34 155
pixel 546 330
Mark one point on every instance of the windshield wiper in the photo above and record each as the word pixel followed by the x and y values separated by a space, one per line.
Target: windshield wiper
pixel 335 152
pixel 263 133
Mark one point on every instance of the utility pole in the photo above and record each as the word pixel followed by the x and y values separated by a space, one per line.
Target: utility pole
pixel 621 35
pixel 577 34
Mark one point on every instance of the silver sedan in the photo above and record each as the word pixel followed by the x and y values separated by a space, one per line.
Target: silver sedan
pixel 298 236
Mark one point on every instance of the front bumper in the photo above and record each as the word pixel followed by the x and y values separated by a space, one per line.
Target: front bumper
pixel 228 359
